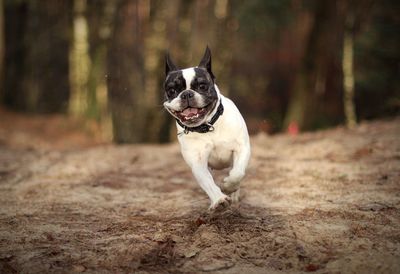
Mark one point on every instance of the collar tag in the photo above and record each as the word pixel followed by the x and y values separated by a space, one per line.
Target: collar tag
pixel 211 127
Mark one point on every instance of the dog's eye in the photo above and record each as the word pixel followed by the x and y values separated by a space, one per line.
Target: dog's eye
pixel 203 87
pixel 171 92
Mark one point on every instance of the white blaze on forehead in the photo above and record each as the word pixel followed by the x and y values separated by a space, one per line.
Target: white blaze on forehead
pixel 188 75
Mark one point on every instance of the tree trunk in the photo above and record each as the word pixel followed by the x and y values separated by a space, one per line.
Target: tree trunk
pixel 37 49
pixel 125 75
pixel 1 48
pixel 316 97
pixel 15 21
pixel 99 16
pixel 163 34
pixel 348 78
pixel 80 63
pixel 47 69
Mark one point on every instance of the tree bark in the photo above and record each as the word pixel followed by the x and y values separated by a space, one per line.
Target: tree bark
pixel 15 21
pixel 125 75
pixel 163 25
pixel 100 14
pixel 316 96
pixel 348 78
pixel 1 47
pixel 37 49
pixel 79 61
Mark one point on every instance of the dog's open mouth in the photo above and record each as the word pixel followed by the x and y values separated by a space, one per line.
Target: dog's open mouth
pixel 190 113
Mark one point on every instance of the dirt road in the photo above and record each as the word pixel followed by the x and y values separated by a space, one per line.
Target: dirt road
pixel 325 202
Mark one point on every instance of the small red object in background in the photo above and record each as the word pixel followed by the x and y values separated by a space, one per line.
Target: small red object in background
pixel 293 128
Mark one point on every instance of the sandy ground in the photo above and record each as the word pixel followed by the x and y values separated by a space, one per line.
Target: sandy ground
pixel 325 202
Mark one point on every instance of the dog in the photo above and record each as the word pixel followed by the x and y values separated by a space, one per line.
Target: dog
pixel 211 131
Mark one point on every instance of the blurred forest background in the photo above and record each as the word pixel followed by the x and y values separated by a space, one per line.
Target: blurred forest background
pixel 288 64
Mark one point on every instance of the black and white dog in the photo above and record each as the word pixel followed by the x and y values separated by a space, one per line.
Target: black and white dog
pixel 211 130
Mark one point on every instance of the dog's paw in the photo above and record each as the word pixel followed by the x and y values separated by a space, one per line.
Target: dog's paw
pixel 221 205
pixel 228 187
pixel 232 182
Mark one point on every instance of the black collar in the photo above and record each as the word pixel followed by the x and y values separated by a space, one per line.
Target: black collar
pixel 206 127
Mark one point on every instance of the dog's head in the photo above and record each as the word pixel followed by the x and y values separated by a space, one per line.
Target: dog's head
pixel 190 94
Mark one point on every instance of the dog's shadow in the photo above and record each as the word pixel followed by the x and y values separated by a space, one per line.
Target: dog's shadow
pixel 240 214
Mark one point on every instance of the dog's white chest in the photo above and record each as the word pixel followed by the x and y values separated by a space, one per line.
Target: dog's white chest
pixel 219 146
pixel 221 156
pixel 218 154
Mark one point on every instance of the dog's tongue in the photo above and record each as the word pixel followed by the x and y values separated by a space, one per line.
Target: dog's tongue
pixel 190 111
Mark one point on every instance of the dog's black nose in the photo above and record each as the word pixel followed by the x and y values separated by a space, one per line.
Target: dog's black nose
pixel 187 94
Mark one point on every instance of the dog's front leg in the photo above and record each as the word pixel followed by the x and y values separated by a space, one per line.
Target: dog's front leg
pixel 231 183
pixel 196 155
pixel 203 176
pixel 197 161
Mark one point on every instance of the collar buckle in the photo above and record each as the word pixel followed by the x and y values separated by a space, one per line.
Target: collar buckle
pixel 211 127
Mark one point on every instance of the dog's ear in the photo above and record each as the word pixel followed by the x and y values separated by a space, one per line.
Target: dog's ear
pixel 206 62
pixel 169 65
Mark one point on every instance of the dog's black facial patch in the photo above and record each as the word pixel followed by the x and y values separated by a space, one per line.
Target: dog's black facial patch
pixel 204 84
pixel 174 84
